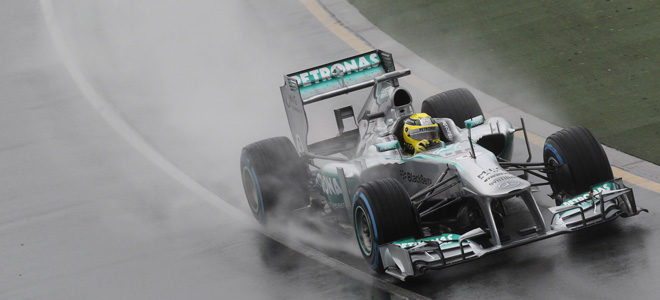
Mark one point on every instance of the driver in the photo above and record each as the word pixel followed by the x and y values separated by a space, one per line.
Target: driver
pixel 420 131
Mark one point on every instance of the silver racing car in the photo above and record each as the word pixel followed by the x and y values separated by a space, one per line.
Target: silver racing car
pixel 424 190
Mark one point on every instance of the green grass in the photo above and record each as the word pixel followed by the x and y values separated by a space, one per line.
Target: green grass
pixel 590 63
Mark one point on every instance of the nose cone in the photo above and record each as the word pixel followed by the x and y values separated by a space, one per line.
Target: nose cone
pixel 483 174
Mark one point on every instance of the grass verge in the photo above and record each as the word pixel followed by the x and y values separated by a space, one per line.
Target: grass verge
pixel 590 63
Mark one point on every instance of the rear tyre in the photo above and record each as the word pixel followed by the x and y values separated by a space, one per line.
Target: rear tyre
pixel 382 213
pixel 458 105
pixel 274 178
pixel 576 161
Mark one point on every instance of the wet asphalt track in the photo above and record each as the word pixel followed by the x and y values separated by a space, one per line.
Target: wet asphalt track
pixel 85 215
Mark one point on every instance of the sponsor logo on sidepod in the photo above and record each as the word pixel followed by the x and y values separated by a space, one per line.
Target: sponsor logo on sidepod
pixel 414 178
pixel 329 185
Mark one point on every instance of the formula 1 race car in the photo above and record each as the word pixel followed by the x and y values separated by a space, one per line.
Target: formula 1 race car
pixel 424 190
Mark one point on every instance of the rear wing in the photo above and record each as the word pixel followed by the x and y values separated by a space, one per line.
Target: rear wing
pixel 330 80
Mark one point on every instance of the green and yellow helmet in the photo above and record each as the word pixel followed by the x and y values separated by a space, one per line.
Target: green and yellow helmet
pixel 418 128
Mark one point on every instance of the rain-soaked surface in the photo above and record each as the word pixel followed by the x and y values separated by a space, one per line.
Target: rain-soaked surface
pixel 85 215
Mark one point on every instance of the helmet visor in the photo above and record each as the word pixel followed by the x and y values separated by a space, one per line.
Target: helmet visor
pixel 424 133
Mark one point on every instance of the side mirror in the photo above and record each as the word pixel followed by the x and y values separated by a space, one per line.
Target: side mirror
pixel 387 146
pixel 470 123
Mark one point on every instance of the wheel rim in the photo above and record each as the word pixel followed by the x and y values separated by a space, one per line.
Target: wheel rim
pixel 363 231
pixel 553 162
pixel 251 189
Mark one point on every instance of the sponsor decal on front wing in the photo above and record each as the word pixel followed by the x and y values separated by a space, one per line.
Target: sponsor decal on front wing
pixel 607 186
pixel 445 240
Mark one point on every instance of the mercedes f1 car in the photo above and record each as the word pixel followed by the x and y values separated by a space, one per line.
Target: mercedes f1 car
pixel 455 198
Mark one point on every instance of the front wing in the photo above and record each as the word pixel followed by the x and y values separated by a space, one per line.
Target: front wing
pixel 604 203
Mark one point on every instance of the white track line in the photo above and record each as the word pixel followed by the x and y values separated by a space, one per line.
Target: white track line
pixel 114 119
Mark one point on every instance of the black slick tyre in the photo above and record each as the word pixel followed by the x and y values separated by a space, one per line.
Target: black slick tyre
pixel 458 105
pixel 274 178
pixel 576 161
pixel 382 213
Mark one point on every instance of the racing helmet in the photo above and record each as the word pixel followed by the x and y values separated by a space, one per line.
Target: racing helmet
pixel 419 128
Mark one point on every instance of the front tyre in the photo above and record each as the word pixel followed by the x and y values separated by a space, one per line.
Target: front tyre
pixel 458 105
pixel 576 161
pixel 382 213
pixel 274 178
